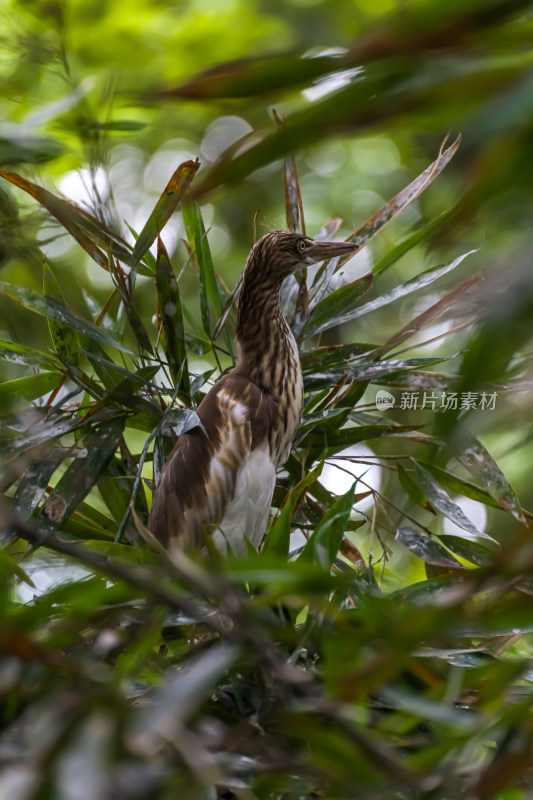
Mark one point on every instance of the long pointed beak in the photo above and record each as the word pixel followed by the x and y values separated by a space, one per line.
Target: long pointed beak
pixel 323 251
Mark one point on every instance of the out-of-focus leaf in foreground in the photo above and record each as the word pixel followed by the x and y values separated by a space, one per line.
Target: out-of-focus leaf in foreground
pixel 95 238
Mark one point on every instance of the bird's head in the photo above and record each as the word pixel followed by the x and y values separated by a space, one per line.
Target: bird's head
pixel 280 253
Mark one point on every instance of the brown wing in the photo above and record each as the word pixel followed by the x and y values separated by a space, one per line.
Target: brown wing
pixel 199 478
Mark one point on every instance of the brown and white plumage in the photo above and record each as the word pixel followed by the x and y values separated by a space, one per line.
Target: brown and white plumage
pixel 220 482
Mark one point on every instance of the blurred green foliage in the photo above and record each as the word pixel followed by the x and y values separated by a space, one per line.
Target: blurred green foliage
pixel 379 646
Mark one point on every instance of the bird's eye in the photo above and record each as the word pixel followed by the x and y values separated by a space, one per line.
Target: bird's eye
pixel 302 244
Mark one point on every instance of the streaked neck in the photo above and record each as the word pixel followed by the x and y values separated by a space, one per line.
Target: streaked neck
pixel 266 343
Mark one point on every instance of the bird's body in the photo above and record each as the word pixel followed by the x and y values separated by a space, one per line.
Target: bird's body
pixel 220 482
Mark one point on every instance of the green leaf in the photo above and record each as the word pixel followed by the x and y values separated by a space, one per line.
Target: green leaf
pixel 412 489
pixel 278 538
pixel 475 552
pixel 326 442
pixel 25 148
pixel 419 282
pixel 95 238
pixel 160 456
pixel 449 301
pixel 97 447
pixel 248 77
pixel 8 566
pixel 143 647
pixel 122 125
pixel 209 291
pixel 180 696
pixel 411 241
pixel 22 354
pixel 404 198
pixel 415 380
pixel 136 325
pixel 430 551
pixel 30 387
pixel 84 381
pixel 478 461
pixel 115 487
pixel 36 478
pixel 164 208
pixel 335 356
pixel 63 336
pixel 327 416
pixel 324 543
pixel 114 374
pixel 458 485
pixel 172 319
pixel 324 315
pixel 86 522
pixel 51 309
pixel 440 500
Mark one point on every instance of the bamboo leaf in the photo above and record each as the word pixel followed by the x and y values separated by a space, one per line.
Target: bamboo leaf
pixel 247 77
pixel 172 319
pixel 95 238
pixel 407 244
pixel 278 538
pixel 413 490
pixel 325 541
pixel 97 447
pixel 24 148
pixel 84 381
pixel 160 457
pixel 326 442
pixel 430 551
pixel 115 486
pixel 179 421
pixel 178 698
pixel 440 500
pixel 416 380
pixel 197 240
pixel 30 387
pixel 419 282
pixel 63 336
pixel 125 286
pixel 363 100
pixel 431 314
pixel 333 356
pixel 170 199
pixel 22 354
pixel 475 552
pixel 36 478
pixel 209 291
pixel 478 461
pixel 8 566
pixel 326 270
pixel 112 374
pixel 410 30
pixel 294 213
pixel 230 302
pixel 52 309
pixel 391 209
pixel 458 485
pixel 325 314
